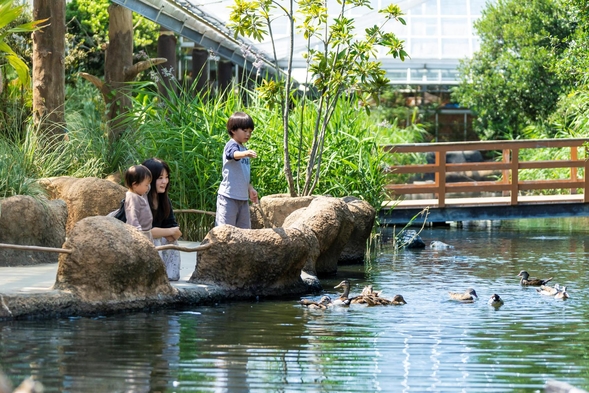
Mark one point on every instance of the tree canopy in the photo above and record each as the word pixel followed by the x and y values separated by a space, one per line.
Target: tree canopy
pixel 519 73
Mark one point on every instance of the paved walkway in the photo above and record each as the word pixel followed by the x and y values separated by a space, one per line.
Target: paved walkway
pixel 40 278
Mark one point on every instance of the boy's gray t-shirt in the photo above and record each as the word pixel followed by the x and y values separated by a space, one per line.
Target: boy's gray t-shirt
pixel 236 173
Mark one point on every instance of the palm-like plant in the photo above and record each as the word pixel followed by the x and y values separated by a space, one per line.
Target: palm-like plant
pixel 8 13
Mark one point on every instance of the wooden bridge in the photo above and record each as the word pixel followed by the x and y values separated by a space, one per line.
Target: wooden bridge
pixel 489 190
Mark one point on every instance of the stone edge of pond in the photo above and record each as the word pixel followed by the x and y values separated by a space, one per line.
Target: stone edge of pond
pixel 63 304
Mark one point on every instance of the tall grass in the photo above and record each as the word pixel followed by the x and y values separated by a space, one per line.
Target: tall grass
pixel 187 131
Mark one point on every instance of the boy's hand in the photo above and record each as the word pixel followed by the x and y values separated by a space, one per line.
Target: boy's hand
pixel 253 195
pixel 250 153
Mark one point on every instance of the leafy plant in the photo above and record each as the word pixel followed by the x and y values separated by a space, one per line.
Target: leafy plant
pixel 339 63
pixel 8 13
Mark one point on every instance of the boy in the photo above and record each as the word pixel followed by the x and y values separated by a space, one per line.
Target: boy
pixel 235 188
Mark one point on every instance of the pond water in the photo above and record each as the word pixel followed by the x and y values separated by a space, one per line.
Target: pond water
pixel 430 344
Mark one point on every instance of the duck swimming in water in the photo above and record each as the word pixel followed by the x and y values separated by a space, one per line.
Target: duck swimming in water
pixel 468 296
pixel 322 304
pixel 496 300
pixel 398 300
pixel 368 296
pixel 548 290
pixel 526 280
pixel 562 294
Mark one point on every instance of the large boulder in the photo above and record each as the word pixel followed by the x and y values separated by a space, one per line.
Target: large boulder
pixel 331 222
pixel 363 215
pixel 111 261
pixel 255 261
pixel 273 209
pixel 85 197
pixel 25 220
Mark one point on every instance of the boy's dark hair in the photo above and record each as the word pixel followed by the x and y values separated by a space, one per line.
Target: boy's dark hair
pixel 136 174
pixel 157 166
pixel 239 120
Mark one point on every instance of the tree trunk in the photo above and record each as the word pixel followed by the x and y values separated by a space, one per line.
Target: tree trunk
pixel 166 48
pixel 119 69
pixel 119 58
pixel 49 67
pixel 200 69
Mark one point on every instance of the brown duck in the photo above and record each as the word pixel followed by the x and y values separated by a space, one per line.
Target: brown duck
pixel 468 296
pixel 535 282
pixel 322 304
pixel 368 296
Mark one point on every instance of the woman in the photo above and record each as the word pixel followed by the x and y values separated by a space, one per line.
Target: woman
pixel 165 228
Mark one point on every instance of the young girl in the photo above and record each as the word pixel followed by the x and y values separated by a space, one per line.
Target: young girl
pixel 165 228
pixel 137 180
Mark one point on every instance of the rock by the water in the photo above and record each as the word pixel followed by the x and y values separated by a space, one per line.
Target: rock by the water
pixel 363 217
pixel 111 261
pixel 439 245
pixel 332 223
pixel 275 209
pixel 85 197
pixel 410 239
pixel 25 220
pixel 254 261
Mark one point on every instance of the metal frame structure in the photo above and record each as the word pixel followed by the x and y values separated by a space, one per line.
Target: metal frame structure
pixel 194 24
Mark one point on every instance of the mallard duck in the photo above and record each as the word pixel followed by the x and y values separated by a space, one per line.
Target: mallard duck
pixel 467 296
pixel 526 280
pixel 322 304
pixel 548 290
pixel 344 299
pixel 398 300
pixel 368 291
pixel 495 300
pixel 368 296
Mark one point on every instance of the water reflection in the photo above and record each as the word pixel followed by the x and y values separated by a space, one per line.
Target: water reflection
pixel 430 344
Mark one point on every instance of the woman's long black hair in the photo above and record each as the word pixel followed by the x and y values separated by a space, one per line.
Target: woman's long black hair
pixel 156 166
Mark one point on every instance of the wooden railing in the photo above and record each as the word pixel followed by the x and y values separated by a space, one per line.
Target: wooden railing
pixel 509 166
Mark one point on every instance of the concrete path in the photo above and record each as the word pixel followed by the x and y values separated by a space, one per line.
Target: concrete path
pixel 40 278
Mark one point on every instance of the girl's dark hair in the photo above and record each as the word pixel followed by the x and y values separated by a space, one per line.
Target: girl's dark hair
pixel 157 166
pixel 239 120
pixel 136 174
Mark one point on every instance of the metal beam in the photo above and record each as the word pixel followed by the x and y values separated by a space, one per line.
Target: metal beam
pixel 198 29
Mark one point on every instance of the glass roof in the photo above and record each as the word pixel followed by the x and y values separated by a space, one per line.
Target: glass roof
pixel 438 33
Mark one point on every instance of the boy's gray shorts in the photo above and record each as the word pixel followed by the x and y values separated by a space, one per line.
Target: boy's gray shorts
pixel 233 212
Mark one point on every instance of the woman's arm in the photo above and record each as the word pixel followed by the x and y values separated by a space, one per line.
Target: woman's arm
pixel 166 232
pixel 168 228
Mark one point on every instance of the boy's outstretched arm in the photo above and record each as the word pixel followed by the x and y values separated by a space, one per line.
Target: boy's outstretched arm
pixel 238 155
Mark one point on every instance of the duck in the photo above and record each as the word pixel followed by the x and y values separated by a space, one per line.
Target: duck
pixel 536 282
pixel 344 299
pixel 468 296
pixel 322 304
pixel 368 296
pixel 495 300
pixel 562 294
pixel 398 300
pixel 548 290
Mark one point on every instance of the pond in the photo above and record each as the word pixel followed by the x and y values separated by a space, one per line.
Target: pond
pixel 429 344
